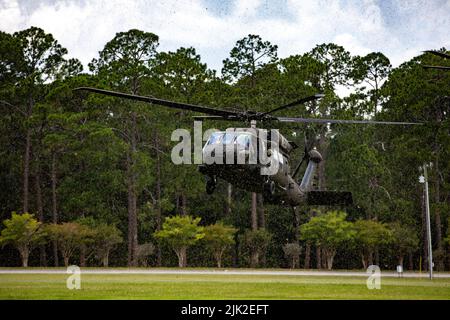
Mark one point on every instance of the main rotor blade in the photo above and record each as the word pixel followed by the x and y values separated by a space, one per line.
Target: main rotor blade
pixel 161 102
pixel 436 67
pixel 438 53
pixel 232 118
pixel 314 120
pixel 297 102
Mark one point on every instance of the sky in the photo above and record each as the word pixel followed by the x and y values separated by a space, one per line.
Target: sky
pixel 399 29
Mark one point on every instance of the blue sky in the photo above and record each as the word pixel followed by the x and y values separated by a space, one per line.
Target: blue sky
pixel 399 29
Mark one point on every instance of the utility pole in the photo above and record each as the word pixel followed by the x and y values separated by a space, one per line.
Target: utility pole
pixel 424 179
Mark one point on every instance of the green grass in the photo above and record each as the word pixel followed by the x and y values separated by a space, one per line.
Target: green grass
pixel 151 286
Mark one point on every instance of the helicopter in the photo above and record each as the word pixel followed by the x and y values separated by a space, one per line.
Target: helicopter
pixel 278 186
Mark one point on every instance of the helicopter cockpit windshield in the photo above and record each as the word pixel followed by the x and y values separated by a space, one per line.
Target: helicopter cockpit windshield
pixel 215 138
pixel 242 139
pixel 229 138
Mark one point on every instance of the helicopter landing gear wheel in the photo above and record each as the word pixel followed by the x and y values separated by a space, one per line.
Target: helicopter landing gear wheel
pixel 269 189
pixel 210 184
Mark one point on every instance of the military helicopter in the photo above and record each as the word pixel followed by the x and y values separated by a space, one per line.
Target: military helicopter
pixel 277 187
pixel 439 54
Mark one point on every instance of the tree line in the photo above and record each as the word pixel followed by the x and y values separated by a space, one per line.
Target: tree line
pixel 90 164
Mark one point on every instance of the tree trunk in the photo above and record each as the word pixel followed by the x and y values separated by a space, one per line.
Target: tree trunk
pixel 54 206
pixel 40 213
pixel 229 199
pixel 400 260
pixel 132 218
pixel 437 150
pixel 375 98
pixel 437 213
pixel 83 255
pixel 254 212
pixel 293 263
pixel 24 254
pixel 26 171
pixel 364 261
pixel 105 259
pixel 410 262
pixel 132 197
pixel 330 258
pixel 182 257
pixel 307 256
pixel 318 257
pixel 158 198
pixel 183 201
pixel 370 257
pixel 254 259
pixel 66 261
pixel 324 259
pixel 260 209
pixel 296 223
pixel 218 257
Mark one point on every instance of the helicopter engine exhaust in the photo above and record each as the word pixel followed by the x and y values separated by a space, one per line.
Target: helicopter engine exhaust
pixel 314 159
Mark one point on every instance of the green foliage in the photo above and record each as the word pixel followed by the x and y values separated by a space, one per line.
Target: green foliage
pixel 24 232
pixel 404 239
pixel 337 66
pixel 370 236
pixel 180 232
pixel 126 58
pixel 100 238
pixel 257 239
pixel 42 55
pixel 329 230
pixel 218 237
pixel 109 160
pixel 69 236
pixel 249 54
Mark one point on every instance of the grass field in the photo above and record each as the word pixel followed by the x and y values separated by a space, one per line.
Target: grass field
pixel 188 286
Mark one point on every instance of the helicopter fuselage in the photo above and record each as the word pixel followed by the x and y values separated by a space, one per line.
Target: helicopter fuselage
pixel 268 173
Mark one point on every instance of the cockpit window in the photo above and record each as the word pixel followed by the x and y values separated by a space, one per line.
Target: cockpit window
pixel 215 138
pixel 228 138
pixel 243 140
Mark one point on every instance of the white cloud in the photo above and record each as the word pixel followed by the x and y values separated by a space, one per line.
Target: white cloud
pixel 246 8
pixel 10 15
pixel 84 27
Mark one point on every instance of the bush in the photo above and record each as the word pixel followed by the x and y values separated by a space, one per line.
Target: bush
pixel 24 232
